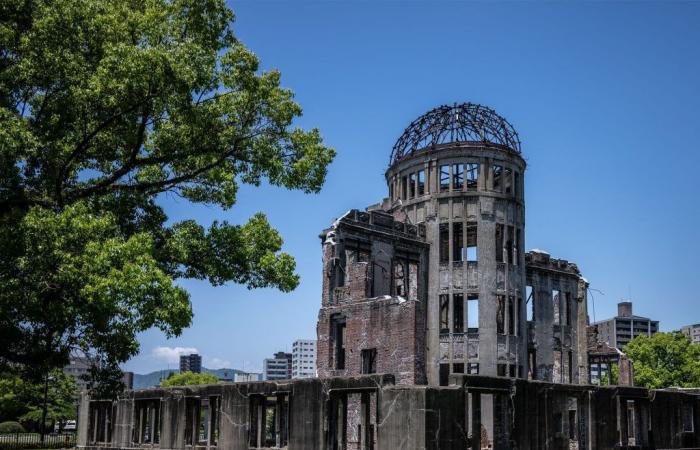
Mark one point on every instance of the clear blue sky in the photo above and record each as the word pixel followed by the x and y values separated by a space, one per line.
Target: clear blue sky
pixel 605 97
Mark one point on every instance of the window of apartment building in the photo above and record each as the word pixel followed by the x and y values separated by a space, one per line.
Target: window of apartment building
pixel 338 336
pixel 457 176
pixel 369 360
pixel 511 315
pixel 472 175
pixel 444 243
pixel 500 314
pixel 147 421
pixel 499 242
pixel 473 313
pixel 412 185
pixel 473 368
pixel 457 313
pixel 508 181
pixel 444 178
pixel 269 421
pixel 471 241
pixel 444 313
pixel 497 178
pixel 556 303
pixel 457 241
pixel 421 182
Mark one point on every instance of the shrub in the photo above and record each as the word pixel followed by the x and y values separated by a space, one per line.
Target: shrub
pixel 11 427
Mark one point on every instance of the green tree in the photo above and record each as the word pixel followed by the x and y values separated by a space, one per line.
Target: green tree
pixel 664 360
pixel 104 107
pixel 189 378
pixel 22 400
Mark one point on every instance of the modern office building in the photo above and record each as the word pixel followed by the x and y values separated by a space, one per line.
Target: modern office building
pixel 624 327
pixel 78 368
pixel 191 363
pixel 247 377
pixel 693 332
pixel 304 358
pixel 279 367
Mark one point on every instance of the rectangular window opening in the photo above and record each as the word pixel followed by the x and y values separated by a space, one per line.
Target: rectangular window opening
pixel 500 314
pixel 568 308
pixel 444 243
pixel 497 175
pixel 473 368
pixel 457 177
pixel 499 242
pixel 473 313
pixel 458 368
pixel 457 241
pixel 511 316
pixel 444 313
pixel 369 361
pixel 269 421
pixel 444 178
pixel 472 175
pixel 404 188
pixel 412 185
pixel 471 241
pixel 556 303
pixel 509 181
pixel 421 182
pixel 510 244
pixel 338 335
pixel 457 313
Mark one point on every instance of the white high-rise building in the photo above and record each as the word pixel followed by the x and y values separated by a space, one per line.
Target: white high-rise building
pixel 693 332
pixel 304 358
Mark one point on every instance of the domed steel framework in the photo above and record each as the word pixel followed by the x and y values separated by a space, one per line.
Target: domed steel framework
pixel 467 122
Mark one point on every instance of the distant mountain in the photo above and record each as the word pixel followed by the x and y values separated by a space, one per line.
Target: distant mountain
pixel 147 380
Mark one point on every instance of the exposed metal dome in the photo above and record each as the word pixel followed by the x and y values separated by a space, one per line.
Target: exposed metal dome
pixel 467 122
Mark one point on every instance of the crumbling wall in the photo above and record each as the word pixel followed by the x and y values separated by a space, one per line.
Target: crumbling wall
pixel 373 300
pixel 558 336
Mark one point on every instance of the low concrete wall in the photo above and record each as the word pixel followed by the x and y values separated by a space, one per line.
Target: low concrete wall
pixel 371 412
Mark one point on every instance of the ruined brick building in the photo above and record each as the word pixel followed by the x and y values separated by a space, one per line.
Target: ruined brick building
pixel 434 280
pixel 430 287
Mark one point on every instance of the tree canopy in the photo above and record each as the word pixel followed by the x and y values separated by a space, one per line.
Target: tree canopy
pixel 105 107
pixel 189 378
pixel 665 360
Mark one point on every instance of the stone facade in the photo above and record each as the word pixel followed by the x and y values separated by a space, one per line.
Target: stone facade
pixel 468 315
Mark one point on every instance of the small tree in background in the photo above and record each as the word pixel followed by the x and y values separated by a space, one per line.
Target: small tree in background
pixel 23 400
pixel 190 378
pixel 664 360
